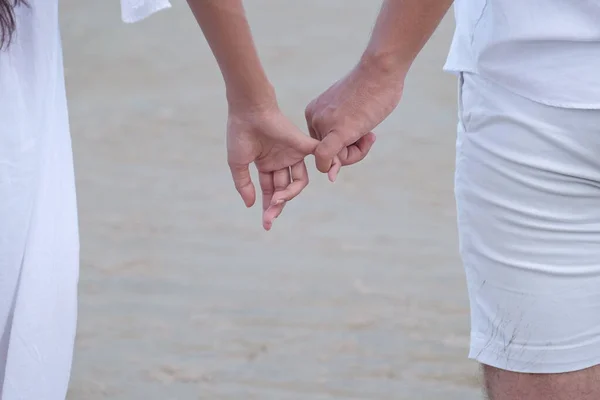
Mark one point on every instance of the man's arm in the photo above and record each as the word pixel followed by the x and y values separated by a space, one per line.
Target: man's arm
pixel 346 113
pixel 402 29
pixel 227 31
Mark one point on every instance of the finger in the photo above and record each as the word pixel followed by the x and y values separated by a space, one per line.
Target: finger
pixel 313 133
pixel 336 165
pixel 329 147
pixel 281 180
pixel 299 182
pixel 303 143
pixel 243 183
pixel 267 189
pixel 308 115
pixel 311 129
pixel 359 150
pixel 334 171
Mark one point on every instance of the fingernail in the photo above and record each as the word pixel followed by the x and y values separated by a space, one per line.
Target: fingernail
pixel 332 177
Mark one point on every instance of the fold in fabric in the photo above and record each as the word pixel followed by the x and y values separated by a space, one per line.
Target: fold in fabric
pixel 136 10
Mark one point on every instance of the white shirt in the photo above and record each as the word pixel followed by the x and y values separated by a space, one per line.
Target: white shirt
pixel 39 245
pixel 545 50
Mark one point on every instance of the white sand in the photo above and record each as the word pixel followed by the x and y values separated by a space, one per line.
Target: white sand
pixel 357 293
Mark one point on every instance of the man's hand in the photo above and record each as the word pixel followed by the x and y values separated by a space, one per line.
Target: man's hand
pixel 277 148
pixel 344 116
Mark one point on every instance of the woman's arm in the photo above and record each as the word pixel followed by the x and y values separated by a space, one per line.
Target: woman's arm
pixel 257 131
pixel 227 31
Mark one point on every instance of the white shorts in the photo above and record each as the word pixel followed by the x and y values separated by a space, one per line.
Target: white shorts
pixel 528 202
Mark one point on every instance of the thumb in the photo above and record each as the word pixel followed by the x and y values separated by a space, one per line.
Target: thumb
pixel 243 183
pixel 303 143
pixel 329 147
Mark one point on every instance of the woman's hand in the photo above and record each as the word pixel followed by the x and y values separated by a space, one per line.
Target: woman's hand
pixel 277 148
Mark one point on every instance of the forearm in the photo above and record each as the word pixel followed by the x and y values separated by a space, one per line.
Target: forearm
pixel 226 29
pixel 401 31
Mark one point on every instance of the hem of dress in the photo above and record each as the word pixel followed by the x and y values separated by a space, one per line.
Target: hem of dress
pixel 555 361
pixel 137 14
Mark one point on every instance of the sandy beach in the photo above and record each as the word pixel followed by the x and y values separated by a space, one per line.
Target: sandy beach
pixel 356 293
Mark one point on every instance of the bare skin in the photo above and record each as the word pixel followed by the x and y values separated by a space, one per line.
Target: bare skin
pixel 507 385
pixel 257 131
pixel 343 118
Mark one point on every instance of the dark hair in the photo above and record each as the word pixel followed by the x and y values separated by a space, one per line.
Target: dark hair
pixel 7 20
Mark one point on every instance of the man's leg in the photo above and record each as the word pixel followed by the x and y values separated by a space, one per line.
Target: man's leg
pixel 528 196
pixel 507 385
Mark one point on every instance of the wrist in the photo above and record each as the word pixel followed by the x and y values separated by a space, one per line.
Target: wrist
pixel 382 62
pixel 251 99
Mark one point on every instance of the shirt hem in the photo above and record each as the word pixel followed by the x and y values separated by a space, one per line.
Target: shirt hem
pixel 541 100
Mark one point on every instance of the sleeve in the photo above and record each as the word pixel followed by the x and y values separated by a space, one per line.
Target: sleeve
pixel 137 10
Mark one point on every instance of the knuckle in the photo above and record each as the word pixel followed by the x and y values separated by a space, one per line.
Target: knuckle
pixel 240 186
pixel 319 123
pixel 361 157
pixel 308 112
pixel 321 152
pixel 343 136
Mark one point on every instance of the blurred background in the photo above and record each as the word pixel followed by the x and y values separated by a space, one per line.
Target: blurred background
pixel 357 292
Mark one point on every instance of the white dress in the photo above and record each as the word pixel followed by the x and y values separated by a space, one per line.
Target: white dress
pixel 39 245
